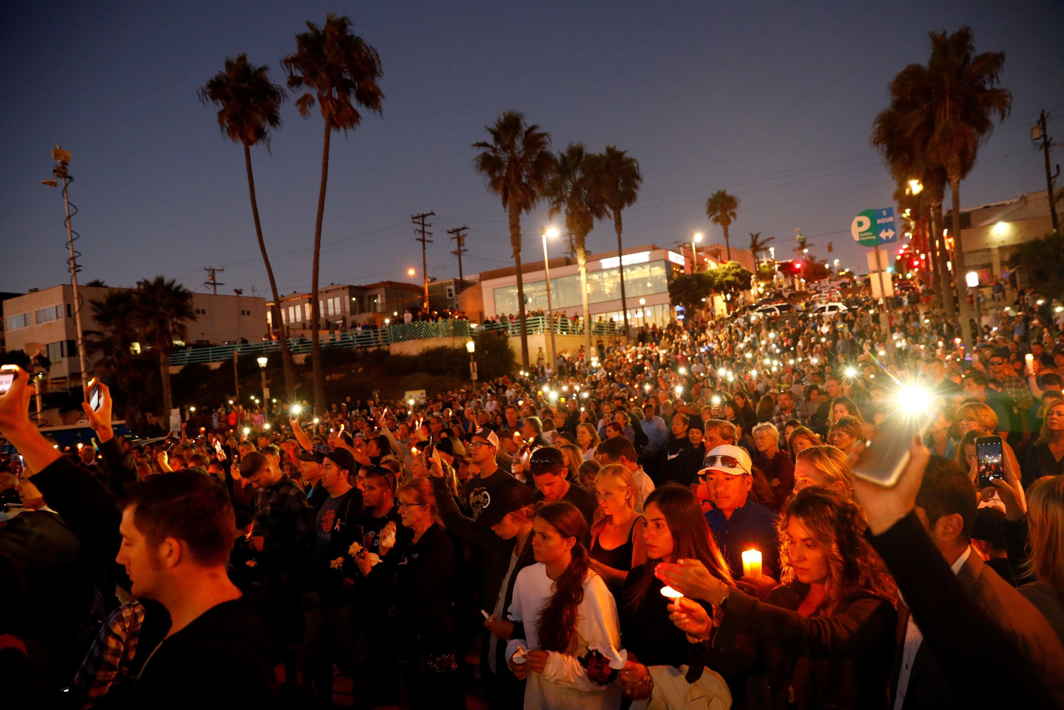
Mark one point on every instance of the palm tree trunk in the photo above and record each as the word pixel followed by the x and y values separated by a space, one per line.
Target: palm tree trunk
pixel 931 278
pixel 515 242
pixel 945 286
pixel 278 321
pixel 581 261
pixel 315 306
pixel 727 241
pixel 618 226
pixel 164 377
pixel 959 270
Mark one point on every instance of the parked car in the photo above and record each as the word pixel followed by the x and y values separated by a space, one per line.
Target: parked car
pixel 828 309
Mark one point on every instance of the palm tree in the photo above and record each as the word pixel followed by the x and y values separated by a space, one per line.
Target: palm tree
pixel 162 312
pixel 721 209
pixel 571 190
pixel 759 244
pixel 249 107
pixel 945 111
pixel 617 183
pixel 339 71
pixel 517 163
pixel 113 346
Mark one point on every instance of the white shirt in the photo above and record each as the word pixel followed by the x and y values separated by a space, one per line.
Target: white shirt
pixel 563 684
pixel 913 639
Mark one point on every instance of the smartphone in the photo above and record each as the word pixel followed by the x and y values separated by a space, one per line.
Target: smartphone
pixel 885 457
pixel 989 460
pixel 95 396
pixel 7 377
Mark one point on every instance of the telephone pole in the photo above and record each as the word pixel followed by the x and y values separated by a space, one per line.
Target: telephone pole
pixel 458 234
pixel 212 281
pixel 425 237
pixel 1039 133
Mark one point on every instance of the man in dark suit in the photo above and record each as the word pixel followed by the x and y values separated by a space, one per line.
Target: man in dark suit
pixel 946 505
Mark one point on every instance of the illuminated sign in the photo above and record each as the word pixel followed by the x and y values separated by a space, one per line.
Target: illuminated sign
pixel 676 259
pixel 641 257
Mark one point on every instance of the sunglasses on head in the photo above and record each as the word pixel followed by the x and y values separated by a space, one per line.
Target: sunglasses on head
pixel 719 460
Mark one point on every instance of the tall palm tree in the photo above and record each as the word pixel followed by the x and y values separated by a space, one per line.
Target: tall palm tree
pixel 571 190
pixel 162 313
pixel 249 107
pixel 617 183
pixel 517 163
pixel 721 209
pixel 759 244
pixel 339 71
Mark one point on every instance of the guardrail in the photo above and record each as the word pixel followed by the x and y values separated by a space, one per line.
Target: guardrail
pixel 384 336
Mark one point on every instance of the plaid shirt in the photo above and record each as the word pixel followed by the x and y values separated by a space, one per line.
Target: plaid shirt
pixel 284 519
pixel 780 419
pixel 111 656
pixel 1017 390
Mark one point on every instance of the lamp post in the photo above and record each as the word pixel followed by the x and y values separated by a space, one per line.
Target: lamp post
pixel 263 361
pixel 972 279
pixel 61 173
pixel 695 239
pixel 550 233
pixel 471 348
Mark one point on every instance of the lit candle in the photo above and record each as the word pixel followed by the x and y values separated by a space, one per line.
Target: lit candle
pixel 751 563
pixel 1030 362
pixel 670 593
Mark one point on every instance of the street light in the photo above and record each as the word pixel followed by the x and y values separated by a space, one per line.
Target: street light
pixel 411 272
pixel 915 187
pixel 550 232
pixel 696 238
pixel 263 361
pixel 471 348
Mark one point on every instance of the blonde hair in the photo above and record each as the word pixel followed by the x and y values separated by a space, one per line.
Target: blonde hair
pixel 1043 435
pixel 981 413
pixel 831 463
pixel 618 472
pixel 422 493
pixel 592 434
pixel 1045 518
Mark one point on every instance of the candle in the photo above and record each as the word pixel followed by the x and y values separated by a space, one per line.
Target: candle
pixel 670 593
pixel 1030 362
pixel 751 563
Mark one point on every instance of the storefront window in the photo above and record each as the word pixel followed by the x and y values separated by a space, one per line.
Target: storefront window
pixel 639 280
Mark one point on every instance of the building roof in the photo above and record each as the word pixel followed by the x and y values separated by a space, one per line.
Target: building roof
pixel 1030 205
pixel 558 262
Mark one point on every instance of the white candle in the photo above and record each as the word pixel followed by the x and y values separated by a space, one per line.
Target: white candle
pixel 670 593
pixel 751 563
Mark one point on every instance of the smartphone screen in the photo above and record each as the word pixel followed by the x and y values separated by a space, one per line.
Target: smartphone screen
pixel 95 398
pixel 6 380
pixel 989 460
pixel 885 457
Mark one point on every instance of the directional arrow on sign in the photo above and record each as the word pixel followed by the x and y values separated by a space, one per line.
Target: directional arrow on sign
pixel 886 235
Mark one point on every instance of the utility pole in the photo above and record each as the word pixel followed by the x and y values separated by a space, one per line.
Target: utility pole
pixel 212 281
pixel 425 237
pixel 1039 132
pixel 458 234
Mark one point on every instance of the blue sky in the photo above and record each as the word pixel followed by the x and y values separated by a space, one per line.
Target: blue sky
pixel 772 101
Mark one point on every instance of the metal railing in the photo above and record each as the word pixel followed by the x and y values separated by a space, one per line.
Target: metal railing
pixel 384 336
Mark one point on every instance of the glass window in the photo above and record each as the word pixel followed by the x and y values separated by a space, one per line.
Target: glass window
pixel 49 314
pixel 602 286
pixel 22 320
pixel 306 311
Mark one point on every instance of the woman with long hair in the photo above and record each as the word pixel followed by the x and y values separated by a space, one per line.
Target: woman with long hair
pixel 800 439
pixel 616 535
pixel 1046 456
pixel 824 466
pixel 1045 520
pixel 566 642
pixel 826 635
pixel 843 407
pixel 659 654
pixel 846 433
pixel 588 439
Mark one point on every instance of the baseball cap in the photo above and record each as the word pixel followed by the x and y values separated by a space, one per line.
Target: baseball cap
pixel 504 500
pixel 315 456
pixel 728 458
pixel 343 459
pixel 546 459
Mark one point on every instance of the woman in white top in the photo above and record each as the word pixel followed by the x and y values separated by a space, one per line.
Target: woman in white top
pixel 566 642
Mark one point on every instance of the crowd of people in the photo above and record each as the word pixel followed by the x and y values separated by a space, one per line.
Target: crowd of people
pixel 670 523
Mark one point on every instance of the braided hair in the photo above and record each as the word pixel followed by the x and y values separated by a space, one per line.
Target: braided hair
pixel 557 621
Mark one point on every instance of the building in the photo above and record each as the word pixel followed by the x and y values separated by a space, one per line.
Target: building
pixel 4 295
pixel 990 233
pixel 443 294
pixel 346 306
pixel 43 320
pixel 647 273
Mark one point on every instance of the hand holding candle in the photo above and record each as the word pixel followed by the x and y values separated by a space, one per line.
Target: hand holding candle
pixel 1029 358
pixel 751 563
pixel 670 593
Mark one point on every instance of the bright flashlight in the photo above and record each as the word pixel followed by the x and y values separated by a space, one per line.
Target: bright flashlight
pixel 678 389
pixel 850 372
pixel 295 410
pixel 913 400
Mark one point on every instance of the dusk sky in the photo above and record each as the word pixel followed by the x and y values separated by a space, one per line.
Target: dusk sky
pixel 773 101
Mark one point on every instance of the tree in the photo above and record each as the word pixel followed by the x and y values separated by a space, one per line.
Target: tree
pixel 517 163
pixel 339 71
pixel 1041 262
pixel 570 190
pixel 162 311
pixel 97 283
pixel 759 244
pixel 766 271
pixel 691 291
pixel 249 108
pixel 814 271
pixel 721 209
pixel 617 183
pixel 731 279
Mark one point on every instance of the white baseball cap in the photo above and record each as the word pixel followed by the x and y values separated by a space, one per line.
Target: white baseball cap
pixel 728 458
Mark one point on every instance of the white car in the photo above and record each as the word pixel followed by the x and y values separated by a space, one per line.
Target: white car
pixel 773 309
pixel 828 309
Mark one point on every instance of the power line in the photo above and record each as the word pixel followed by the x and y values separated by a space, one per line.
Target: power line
pixel 212 281
pixel 458 234
pixel 425 237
